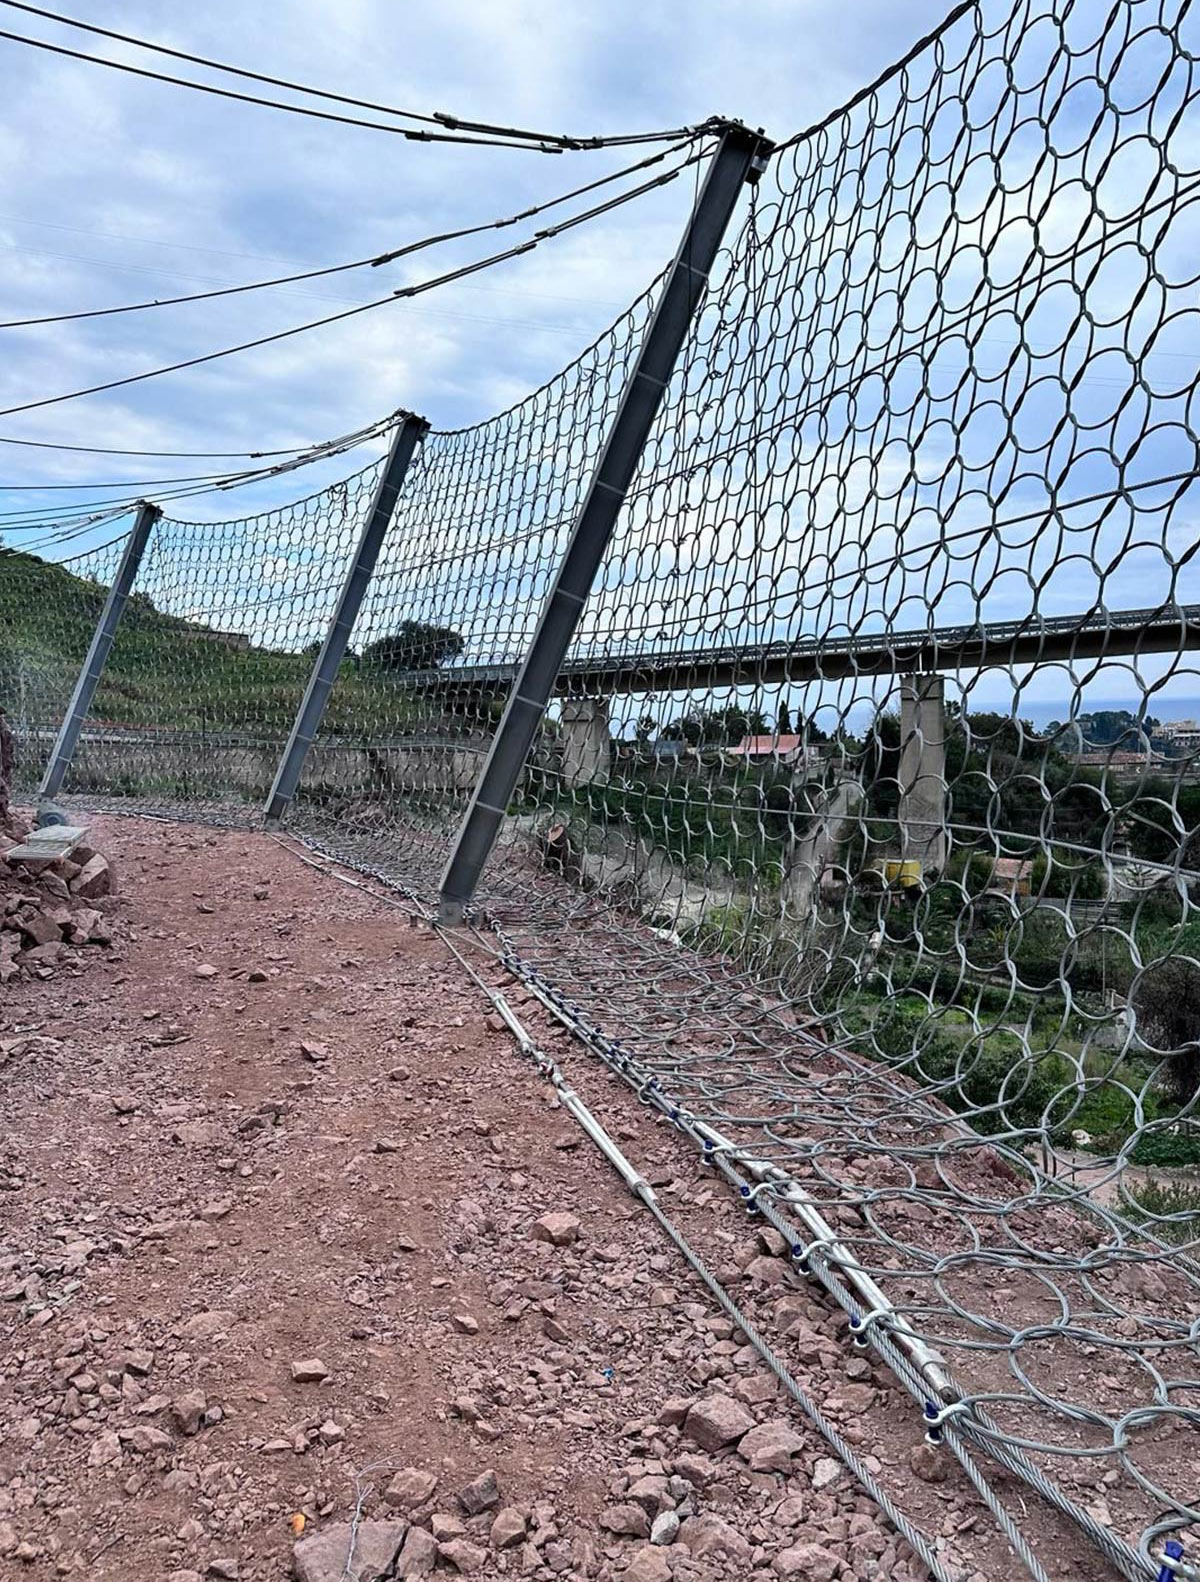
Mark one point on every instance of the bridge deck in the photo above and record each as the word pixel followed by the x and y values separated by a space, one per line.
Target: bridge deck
pixel 1166 629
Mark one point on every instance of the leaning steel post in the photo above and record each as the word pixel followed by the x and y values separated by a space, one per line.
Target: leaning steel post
pixel 409 434
pixel 740 157
pixel 97 654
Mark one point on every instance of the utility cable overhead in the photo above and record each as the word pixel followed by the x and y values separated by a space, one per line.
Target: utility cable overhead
pixel 372 261
pixel 199 296
pixel 116 483
pixel 437 118
pixel 55 539
pixel 366 307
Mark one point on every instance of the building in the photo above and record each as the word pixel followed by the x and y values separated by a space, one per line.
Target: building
pixel 770 749
pixel 1113 758
pixel 1183 735
pixel 1011 875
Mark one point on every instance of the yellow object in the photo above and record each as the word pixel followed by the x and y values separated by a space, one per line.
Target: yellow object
pixel 299 1522
pixel 905 874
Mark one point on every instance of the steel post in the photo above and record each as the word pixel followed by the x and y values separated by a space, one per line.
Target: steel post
pixel 740 157
pixel 411 431
pixel 97 654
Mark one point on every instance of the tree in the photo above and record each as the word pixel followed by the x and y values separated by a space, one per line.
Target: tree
pixel 10 674
pixel 1111 727
pixel 1065 873
pixel 716 727
pixel 783 725
pixel 1167 1003
pixel 644 729
pixel 414 645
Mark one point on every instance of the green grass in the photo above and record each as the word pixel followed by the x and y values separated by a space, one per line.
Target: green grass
pixel 163 672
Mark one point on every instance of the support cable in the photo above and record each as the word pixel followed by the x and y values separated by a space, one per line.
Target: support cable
pixel 372 261
pixel 437 118
pixel 366 307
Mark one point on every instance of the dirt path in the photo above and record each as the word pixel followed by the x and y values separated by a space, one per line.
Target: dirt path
pixel 277 1126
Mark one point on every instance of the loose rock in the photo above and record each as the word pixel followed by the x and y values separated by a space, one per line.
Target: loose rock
pixel 928 1463
pixel 188 1410
pixel 627 1521
pixel 665 1529
pixel 480 1495
pixel 648 1565
pixel 419 1554
pixel 309 1370
pixel 716 1421
pixel 813 1562
pixel 769 1447
pixel 463 1555
pixel 560 1230
pixel 323 1557
pixel 410 1488
pixel 508 1528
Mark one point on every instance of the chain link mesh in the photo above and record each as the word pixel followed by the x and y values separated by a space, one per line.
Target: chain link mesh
pixel 864 833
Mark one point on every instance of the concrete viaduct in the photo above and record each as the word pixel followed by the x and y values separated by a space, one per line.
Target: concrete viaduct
pixel 921 658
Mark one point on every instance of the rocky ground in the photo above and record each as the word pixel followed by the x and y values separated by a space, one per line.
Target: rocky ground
pixel 49 910
pixel 296 1252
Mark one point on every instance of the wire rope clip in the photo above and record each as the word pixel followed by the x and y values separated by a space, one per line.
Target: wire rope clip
pixel 750 1195
pixel 860 1327
pixel 936 1415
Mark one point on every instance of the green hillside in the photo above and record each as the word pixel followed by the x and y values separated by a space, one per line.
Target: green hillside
pixel 162 671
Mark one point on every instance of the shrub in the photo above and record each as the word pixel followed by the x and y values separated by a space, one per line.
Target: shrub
pixel 1062 873
pixel 1166 1001
pixel 973 871
pixel 1167 1148
pixel 1173 1197
pixel 1041 948
pixel 414 645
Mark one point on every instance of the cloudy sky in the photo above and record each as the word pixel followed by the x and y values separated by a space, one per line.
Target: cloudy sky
pixel 114 189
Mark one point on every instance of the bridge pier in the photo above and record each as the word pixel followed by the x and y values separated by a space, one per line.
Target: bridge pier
pixel 586 741
pixel 832 822
pixel 923 799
